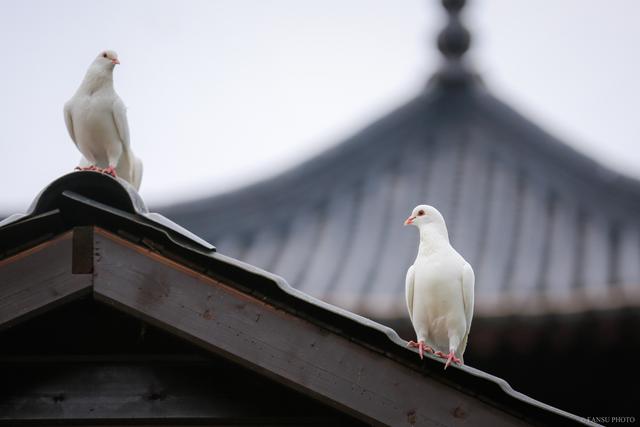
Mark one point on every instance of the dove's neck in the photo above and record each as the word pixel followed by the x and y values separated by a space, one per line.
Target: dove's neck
pixel 433 237
pixel 97 78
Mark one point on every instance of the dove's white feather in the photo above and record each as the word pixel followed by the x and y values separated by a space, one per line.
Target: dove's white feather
pixel 69 122
pixel 409 290
pixel 468 282
pixel 96 120
pixel 136 173
pixel 120 119
pixel 439 287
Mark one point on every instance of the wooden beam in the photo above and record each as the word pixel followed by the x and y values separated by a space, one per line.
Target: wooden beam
pixel 37 279
pixel 82 258
pixel 169 391
pixel 298 353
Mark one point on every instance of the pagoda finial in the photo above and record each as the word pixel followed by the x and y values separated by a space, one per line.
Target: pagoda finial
pixel 454 39
pixel 453 42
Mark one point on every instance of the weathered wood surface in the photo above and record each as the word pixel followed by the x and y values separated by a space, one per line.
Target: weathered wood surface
pixel 39 278
pixel 170 391
pixel 293 351
pixel 82 256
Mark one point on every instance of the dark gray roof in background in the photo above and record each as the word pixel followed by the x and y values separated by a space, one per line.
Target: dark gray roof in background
pixel 545 228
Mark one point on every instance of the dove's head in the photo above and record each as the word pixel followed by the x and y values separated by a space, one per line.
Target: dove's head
pixel 423 215
pixel 107 59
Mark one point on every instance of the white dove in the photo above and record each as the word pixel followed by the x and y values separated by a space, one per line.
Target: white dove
pixel 439 290
pixel 96 119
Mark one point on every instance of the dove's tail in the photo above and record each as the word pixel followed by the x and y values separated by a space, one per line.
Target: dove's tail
pixel 462 348
pixel 137 173
pixel 130 168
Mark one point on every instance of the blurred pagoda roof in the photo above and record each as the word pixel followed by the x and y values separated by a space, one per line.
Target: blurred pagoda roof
pixel 547 229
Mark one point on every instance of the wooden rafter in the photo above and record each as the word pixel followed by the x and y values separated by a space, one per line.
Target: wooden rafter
pixel 38 279
pixel 213 312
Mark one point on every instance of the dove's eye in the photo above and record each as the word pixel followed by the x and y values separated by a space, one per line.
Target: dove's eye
pixel 420 213
pixel 104 55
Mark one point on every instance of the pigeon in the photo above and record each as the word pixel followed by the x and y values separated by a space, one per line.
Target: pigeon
pixel 96 120
pixel 439 290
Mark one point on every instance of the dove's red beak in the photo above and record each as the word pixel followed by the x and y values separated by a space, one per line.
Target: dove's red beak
pixel 409 220
pixel 115 61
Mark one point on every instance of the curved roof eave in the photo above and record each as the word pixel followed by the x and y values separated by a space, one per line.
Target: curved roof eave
pixel 440 104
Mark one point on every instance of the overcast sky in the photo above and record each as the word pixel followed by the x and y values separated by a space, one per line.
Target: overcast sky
pixel 222 93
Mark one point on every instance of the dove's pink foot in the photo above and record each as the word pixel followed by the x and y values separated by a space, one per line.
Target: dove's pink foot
pixel 451 357
pixel 88 168
pixel 421 346
pixel 110 171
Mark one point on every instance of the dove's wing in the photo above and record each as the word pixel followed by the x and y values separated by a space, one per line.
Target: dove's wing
pixel 120 119
pixel 468 282
pixel 409 290
pixel 69 122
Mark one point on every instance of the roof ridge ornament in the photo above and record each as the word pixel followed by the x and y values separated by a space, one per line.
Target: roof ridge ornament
pixel 454 39
pixel 453 42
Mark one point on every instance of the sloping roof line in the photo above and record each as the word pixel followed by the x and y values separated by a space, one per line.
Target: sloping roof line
pixel 127 200
pixel 72 209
